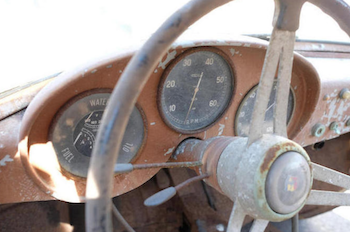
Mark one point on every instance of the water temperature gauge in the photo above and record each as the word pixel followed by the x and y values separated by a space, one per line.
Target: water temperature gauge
pixel 75 128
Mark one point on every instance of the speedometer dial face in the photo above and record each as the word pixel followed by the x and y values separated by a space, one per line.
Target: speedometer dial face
pixel 245 112
pixel 74 132
pixel 196 90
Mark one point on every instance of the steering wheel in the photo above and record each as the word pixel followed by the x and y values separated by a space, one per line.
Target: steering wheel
pixel 260 162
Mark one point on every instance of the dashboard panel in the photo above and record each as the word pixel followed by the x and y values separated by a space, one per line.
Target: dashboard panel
pixel 240 62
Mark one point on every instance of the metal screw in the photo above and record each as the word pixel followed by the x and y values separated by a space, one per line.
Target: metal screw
pixel 344 93
pixel 326 97
pixel 318 130
pixel 220 227
pixel 334 126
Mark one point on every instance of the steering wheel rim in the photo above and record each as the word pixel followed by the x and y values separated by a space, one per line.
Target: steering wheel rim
pixel 135 76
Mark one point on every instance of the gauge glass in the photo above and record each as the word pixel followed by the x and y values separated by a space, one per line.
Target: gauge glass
pixel 74 133
pixel 196 91
pixel 245 112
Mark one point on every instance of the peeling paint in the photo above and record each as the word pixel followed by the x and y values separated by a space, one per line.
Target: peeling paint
pixel 93 71
pixel 205 135
pixel 336 109
pixel 232 51
pixel 5 160
pixel 85 71
pixel 109 66
pixel 169 57
pixel 155 71
pixel 120 71
pixel 152 123
pixel 221 129
pixel 236 44
pixel 170 150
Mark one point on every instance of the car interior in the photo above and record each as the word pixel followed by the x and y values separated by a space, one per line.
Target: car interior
pixel 184 133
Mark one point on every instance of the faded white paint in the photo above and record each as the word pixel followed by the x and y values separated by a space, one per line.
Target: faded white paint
pixel 85 71
pixel 221 129
pixel 232 51
pixel 170 150
pixel 5 160
pixel 170 56
pixel 336 109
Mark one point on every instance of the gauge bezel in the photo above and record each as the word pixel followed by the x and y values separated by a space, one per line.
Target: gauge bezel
pixel 247 94
pixel 169 68
pixel 71 102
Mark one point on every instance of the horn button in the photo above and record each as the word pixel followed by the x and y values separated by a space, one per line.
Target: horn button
pixel 287 183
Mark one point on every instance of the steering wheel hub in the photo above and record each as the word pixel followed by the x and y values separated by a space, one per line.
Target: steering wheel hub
pixel 270 178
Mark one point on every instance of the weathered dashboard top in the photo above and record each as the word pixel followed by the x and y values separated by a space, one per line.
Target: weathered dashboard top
pixel 317 101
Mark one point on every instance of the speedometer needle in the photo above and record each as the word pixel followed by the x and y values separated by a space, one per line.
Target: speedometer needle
pixel 194 95
pixel 270 107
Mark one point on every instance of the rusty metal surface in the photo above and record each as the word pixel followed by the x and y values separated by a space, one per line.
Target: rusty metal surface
pixel 305 83
pixel 20 99
pixel 330 107
pixel 16 185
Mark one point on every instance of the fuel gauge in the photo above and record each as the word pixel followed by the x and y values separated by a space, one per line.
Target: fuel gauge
pixel 75 129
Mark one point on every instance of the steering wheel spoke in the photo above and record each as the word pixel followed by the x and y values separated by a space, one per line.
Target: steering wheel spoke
pixel 330 176
pixel 236 218
pixel 318 197
pixel 279 54
pixel 259 225
pixel 329 198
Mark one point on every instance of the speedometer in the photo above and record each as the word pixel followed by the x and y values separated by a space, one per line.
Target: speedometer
pixel 245 111
pixel 196 90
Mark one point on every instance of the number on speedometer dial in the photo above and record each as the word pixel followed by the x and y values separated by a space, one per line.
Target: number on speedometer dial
pixel 196 90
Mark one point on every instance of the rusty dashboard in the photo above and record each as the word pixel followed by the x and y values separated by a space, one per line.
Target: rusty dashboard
pixel 36 166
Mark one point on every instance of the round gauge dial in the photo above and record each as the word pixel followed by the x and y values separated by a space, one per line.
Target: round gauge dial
pixel 196 90
pixel 74 132
pixel 245 112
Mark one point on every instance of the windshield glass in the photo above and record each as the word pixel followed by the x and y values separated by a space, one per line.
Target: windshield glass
pixel 43 37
